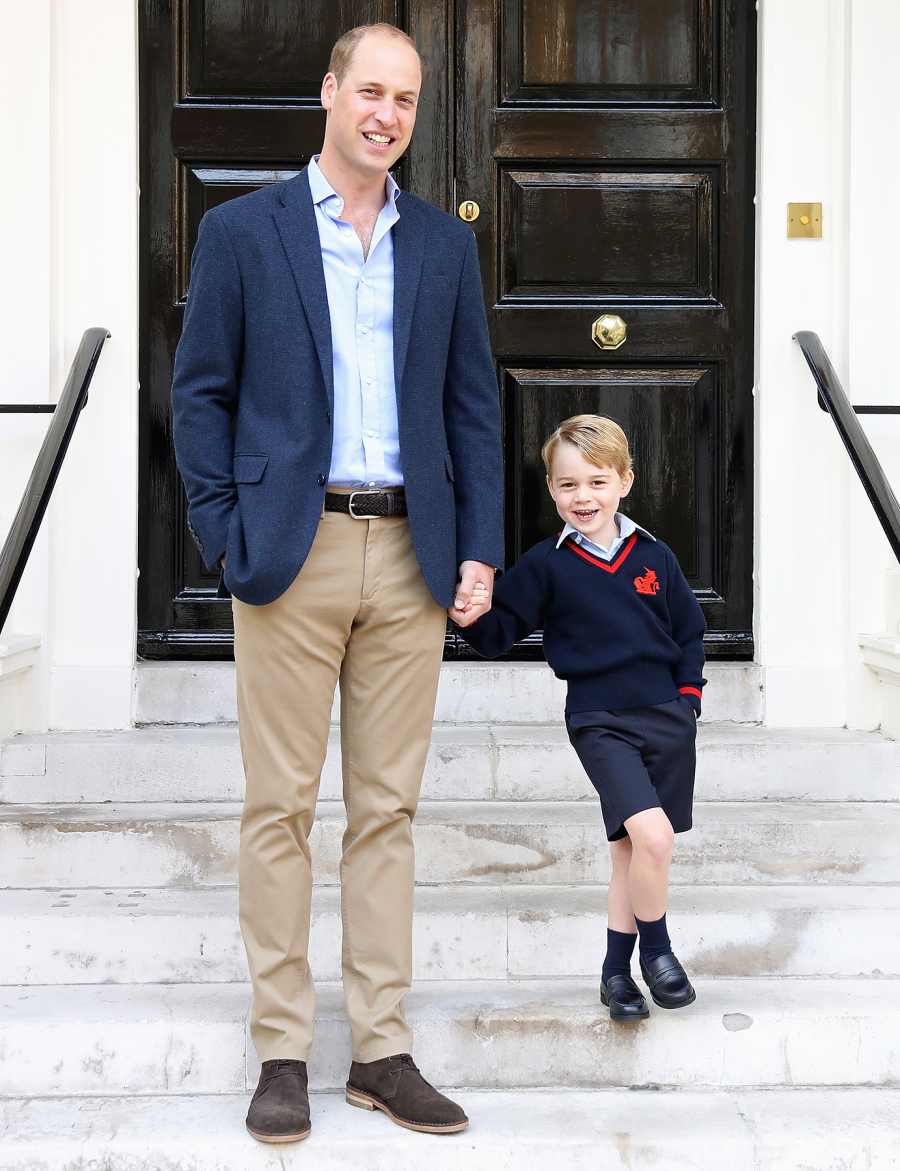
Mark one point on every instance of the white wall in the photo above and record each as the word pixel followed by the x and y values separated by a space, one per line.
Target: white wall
pixel 821 559
pixel 69 225
pixel 26 314
pixel 72 234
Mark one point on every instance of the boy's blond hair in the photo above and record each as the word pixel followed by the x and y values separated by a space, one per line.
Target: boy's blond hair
pixel 601 441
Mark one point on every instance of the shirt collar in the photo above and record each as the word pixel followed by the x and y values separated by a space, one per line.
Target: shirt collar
pixel 322 190
pixel 626 527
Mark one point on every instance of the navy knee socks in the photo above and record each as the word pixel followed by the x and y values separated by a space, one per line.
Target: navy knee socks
pixel 654 938
pixel 619 947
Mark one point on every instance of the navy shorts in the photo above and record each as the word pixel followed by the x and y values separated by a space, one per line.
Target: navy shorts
pixel 639 758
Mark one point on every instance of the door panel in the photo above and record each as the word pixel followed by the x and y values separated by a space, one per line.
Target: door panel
pixel 627 50
pixel 608 144
pixel 571 235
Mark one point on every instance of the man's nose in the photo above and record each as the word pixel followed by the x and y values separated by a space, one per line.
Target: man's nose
pixel 385 114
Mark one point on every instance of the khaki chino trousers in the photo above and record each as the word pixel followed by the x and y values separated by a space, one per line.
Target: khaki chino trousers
pixel 359 612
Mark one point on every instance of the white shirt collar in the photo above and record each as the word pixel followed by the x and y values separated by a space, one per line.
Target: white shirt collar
pixel 322 190
pixel 625 524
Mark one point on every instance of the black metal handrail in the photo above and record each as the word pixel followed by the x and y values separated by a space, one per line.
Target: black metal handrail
pixel 833 399
pixel 24 530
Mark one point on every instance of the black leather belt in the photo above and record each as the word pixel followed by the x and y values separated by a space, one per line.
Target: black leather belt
pixel 367 504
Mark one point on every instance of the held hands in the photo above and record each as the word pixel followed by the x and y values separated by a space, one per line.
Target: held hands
pixel 473 593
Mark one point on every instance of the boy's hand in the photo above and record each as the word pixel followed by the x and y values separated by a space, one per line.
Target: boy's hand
pixel 479 603
pixel 472 575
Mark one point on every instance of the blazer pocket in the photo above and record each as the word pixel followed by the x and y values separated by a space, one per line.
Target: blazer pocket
pixel 448 464
pixel 248 469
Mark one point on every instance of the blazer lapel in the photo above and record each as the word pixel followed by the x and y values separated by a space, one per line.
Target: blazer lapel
pixel 295 220
pixel 409 249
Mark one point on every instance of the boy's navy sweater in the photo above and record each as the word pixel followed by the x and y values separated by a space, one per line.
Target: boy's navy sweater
pixel 624 633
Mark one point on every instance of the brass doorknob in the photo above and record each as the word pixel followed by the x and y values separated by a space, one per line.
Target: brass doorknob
pixel 609 331
pixel 469 210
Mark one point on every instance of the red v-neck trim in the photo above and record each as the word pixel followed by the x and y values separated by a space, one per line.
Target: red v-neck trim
pixel 609 566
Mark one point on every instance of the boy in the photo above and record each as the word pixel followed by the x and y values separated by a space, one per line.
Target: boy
pixel 623 628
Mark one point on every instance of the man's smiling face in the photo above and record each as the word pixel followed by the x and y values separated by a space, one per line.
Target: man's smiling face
pixel 371 114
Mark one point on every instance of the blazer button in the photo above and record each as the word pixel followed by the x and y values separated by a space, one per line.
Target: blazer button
pixel 321 479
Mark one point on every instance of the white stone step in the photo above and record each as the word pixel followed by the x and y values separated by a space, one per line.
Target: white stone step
pixel 121 936
pixel 472 692
pixel 736 762
pixel 103 1039
pixel 482 842
pixel 530 1130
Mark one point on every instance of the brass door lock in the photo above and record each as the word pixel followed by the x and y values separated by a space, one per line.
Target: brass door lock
pixel 469 210
pixel 609 331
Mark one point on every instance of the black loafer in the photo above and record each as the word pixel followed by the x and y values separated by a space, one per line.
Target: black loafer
pixel 624 999
pixel 279 1110
pixel 668 982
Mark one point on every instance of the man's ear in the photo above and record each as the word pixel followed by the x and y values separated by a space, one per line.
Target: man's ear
pixel 550 486
pixel 628 479
pixel 329 85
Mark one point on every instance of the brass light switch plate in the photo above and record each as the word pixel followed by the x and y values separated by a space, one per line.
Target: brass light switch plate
pixel 804 221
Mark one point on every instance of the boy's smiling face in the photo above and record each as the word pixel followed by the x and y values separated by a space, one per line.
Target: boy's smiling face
pixel 587 496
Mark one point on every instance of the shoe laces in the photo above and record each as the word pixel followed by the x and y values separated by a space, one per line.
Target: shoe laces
pixel 282 1066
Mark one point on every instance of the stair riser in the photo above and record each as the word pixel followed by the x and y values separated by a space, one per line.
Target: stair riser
pixel 49 852
pixel 465 765
pixel 494 943
pixel 510 693
pixel 541 1041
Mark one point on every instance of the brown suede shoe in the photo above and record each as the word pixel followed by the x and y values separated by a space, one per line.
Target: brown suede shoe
pixel 279 1110
pixel 395 1086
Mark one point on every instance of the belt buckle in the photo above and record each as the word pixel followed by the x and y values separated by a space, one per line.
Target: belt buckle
pixel 361 515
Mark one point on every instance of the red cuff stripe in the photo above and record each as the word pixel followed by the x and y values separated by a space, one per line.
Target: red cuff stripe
pixel 691 691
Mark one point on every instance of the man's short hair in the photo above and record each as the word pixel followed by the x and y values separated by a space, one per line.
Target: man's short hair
pixel 601 441
pixel 345 46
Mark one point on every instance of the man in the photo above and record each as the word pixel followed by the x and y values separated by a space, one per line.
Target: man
pixel 336 424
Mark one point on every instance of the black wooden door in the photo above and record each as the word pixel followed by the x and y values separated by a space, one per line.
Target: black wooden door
pixel 610 146
pixel 229 101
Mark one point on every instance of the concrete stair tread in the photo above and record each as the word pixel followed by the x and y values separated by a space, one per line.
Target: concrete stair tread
pixel 513 813
pixel 776 997
pixel 488 1034
pixel 745 1130
pixel 204 735
pixel 557 901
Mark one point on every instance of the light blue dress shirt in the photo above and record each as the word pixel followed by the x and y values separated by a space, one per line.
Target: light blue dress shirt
pixel 626 527
pixel 366 447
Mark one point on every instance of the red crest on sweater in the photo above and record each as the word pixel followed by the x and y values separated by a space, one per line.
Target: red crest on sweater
pixel 648 584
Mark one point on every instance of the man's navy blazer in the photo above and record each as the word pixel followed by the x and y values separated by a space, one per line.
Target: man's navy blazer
pixel 253 393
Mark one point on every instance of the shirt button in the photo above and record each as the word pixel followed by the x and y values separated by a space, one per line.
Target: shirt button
pixel 370 434
pixel 321 478
pixel 369 381
pixel 363 329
